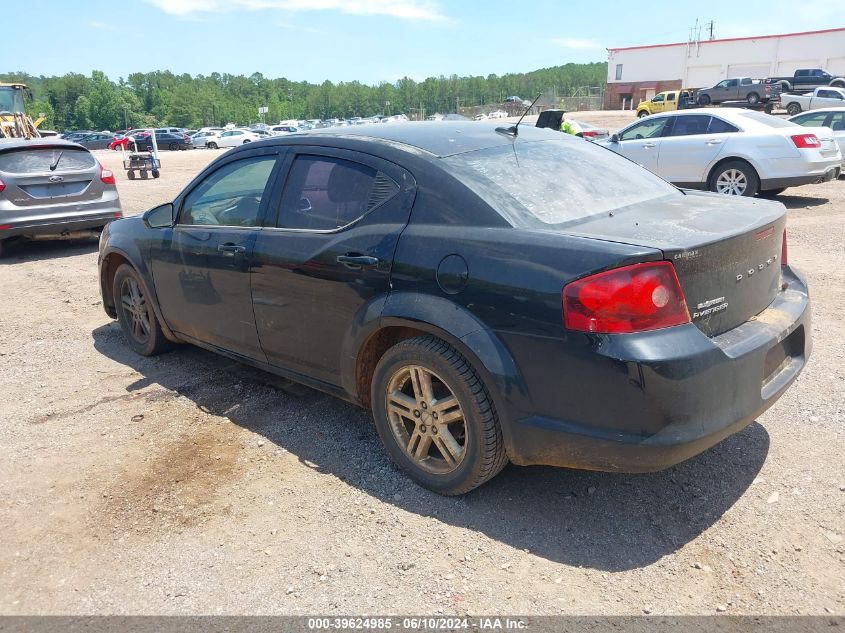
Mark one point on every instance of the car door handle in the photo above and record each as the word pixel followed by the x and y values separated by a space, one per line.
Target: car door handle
pixel 648 145
pixel 351 260
pixel 714 141
pixel 230 249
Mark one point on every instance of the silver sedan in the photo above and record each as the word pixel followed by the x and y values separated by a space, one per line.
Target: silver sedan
pixel 732 151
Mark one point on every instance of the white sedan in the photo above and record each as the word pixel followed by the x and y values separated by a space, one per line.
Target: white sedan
pixel 834 118
pixel 201 138
pixel 231 138
pixel 735 151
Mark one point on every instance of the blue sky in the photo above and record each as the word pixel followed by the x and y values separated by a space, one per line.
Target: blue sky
pixel 366 40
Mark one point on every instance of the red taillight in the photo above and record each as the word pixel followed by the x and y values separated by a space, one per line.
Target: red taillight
pixel 784 260
pixel 5 227
pixel 2 185
pixel 630 299
pixel 590 133
pixel 804 141
pixel 107 176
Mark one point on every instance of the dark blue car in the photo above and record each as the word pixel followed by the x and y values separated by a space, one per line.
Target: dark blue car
pixel 491 295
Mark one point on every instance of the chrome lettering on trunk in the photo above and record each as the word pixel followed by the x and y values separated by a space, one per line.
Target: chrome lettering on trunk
pixel 708 307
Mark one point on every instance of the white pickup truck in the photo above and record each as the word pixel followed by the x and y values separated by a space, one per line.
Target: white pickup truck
pixel 825 97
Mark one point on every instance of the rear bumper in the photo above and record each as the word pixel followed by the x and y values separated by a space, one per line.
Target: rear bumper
pixel 49 219
pixel 831 172
pixel 648 401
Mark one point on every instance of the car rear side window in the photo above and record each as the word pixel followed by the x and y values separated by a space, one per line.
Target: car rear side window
pixel 553 182
pixel 27 161
pixel 229 196
pixel 718 126
pixel 324 193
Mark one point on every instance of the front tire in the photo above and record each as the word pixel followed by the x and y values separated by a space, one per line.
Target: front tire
pixel 436 417
pixel 212 146
pixel 735 178
pixel 135 313
pixel 642 115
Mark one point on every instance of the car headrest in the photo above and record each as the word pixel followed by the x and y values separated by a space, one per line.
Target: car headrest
pixel 349 183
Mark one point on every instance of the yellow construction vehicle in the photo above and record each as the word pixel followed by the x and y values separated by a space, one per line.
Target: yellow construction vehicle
pixel 14 121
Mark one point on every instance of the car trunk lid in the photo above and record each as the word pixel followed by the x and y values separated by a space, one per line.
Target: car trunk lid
pixel 726 250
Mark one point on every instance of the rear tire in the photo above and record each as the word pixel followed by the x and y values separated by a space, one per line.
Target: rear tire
pixel 246 141
pixel 793 108
pixel 173 147
pixel 642 115
pixel 418 380
pixel 135 313
pixel 704 100
pixel 753 98
pixel 131 175
pixel 212 146
pixel 144 174
pixel 1 249
pixel 734 177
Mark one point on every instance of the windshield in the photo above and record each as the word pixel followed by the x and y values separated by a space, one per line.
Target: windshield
pixel 11 100
pixel 25 161
pixel 766 119
pixel 537 184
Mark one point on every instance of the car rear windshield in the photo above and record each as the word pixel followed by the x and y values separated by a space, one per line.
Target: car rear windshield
pixel 27 161
pixel 553 182
pixel 766 119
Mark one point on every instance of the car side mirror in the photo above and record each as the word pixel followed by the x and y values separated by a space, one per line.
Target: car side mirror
pixel 614 138
pixel 159 217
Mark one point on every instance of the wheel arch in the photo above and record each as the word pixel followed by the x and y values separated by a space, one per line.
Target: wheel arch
pixel 405 315
pixel 734 156
pixel 113 259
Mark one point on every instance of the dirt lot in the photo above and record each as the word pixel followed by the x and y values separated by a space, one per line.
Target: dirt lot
pixel 189 484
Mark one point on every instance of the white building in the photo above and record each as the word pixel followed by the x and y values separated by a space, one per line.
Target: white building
pixel 638 72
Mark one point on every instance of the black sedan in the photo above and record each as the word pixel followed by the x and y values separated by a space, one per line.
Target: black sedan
pixel 491 295
pixel 97 140
pixel 164 140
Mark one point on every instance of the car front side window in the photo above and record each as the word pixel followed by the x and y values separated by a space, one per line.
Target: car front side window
pixel 817 119
pixel 649 128
pixel 230 196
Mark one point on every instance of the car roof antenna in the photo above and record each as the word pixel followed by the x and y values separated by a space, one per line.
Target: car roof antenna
pixel 514 129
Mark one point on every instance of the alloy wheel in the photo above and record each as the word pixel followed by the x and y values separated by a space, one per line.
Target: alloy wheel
pixel 134 306
pixel 426 419
pixel 732 182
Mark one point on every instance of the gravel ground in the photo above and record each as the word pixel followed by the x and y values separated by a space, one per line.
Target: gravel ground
pixel 189 484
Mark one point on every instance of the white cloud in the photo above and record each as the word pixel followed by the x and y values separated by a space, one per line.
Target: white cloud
pixel 574 42
pixel 420 10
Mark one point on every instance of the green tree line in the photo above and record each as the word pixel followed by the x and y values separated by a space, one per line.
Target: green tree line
pixel 163 98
